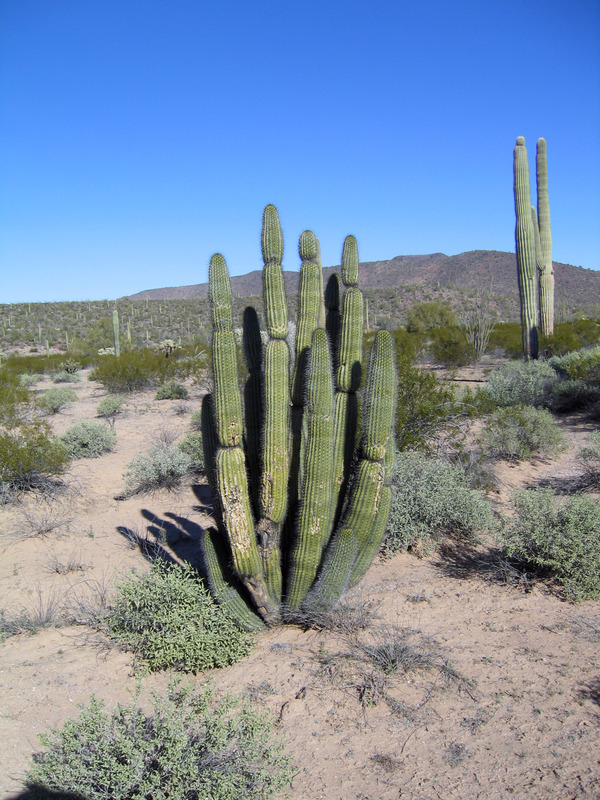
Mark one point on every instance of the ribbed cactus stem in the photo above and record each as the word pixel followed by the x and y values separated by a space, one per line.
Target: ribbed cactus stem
pixel 350 261
pixel 310 301
pixel 314 518
pixel 116 333
pixel 547 268
pixel 525 247
pixel 219 294
pixel 335 574
pixel 276 444
pixel 379 406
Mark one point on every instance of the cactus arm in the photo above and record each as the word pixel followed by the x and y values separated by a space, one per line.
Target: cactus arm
pixel 335 573
pixel 547 271
pixel 525 248
pixel 314 517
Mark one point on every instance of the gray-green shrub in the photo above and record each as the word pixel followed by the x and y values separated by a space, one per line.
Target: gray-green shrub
pixel 110 406
pixel 171 390
pixel 30 380
pixel 521 383
pixel 556 538
pixel 517 433
pixel 162 467
pixel 66 377
pixel 581 365
pixel 192 445
pixel 589 459
pixel 56 398
pixel 432 499
pixel 190 747
pixel 88 439
pixel 169 620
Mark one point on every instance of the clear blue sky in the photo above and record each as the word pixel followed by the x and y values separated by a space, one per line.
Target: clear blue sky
pixel 137 137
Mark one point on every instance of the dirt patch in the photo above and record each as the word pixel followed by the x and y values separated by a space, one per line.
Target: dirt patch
pixel 486 690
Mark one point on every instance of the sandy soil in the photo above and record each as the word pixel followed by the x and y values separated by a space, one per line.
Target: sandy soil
pixel 509 706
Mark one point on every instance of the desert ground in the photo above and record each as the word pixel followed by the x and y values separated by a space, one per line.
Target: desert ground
pixel 507 704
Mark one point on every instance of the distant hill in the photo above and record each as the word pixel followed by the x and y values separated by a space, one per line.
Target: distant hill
pixel 492 270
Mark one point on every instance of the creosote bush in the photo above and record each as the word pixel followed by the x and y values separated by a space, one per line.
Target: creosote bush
pixel 191 746
pixel 88 439
pixel 432 499
pixel 518 433
pixel 589 459
pixel 168 619
pixel 141 369
pixel 171 390
pixel 163 467
pixel 556 538
pixel 192 445
pixel 110 406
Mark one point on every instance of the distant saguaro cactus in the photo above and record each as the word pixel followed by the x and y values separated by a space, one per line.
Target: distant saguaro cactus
pixel 116 333
pixel 302 508
pixel 526 253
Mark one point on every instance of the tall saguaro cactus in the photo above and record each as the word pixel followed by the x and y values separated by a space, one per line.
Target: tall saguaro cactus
pixel 526 256
pixel 116 333
pixel 301 520
pixel 544 257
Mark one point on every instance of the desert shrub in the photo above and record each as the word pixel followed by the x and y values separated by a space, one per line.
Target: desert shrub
pixel 30 379
pixel 425 404
pixel 171 390
pixel 168 619
pixel 70 366
pixel 572 395
pixel 572 335
pixel 196 420
pixel 428 315
pixel 110 406
pixel 507 336
pixel 589 459
pixel 521 383
pixel 448 346
pixel 192 445
pixel 432 499
pixel 582 365
pixel 29 457
pixel 520 432
pixel 161 468
pixel 190 746
pixel 88 439
pixel 557 539
pixel 56 398
pixel 66 377
pixel 138 369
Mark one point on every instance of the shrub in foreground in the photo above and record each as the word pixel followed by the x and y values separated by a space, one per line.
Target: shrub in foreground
pixel 88 439
pixel 192 445
pixel 558 539
pixel 431 499
pixel 110 406
pixel 169 620
pixel 190 747
pixel 589 459
pixel 520 432
pixel 162 467
pixel 55 399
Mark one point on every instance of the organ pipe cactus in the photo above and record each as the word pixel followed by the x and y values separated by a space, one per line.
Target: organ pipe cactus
pixel 116 333
pixel 301 508
pixel 526 255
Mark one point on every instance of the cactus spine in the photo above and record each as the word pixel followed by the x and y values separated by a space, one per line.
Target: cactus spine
pixel 525 245
pixel 294 526
pixel 545 267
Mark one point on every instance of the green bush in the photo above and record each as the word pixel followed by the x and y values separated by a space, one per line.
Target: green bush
pixel 431 314
pixel 190 747
pixel 582 365
pixel 30 380
pixel 139 369
pixel 425 404
pixel 432 499
pixel 29 457
pixel 520 432
pixel 557 539
pixel 573 395
pixel 573 335
pixel 88 439
pixel 507 336
pixel 70 366
pixel 56 398
pixel 521 383
pixel 589 459
pixel 192 445
pixel 196 420
pixel 162 468
pixel 169 620
pixel 110 406
pixel 171 390
pixel 448 346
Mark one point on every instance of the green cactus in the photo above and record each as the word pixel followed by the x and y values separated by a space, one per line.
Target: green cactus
pixel 294 527
pixel 545 267
pixel 526 257
pixel 116 333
